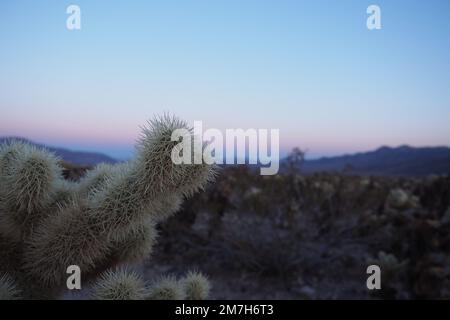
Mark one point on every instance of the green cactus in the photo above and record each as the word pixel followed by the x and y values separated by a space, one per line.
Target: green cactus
pixel 123 284
pixel 390 266
pixel 119 284
pixel 166 288
pixel 196 286
pixel 107 219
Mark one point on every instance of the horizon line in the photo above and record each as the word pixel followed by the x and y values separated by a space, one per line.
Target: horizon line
pixel 285 152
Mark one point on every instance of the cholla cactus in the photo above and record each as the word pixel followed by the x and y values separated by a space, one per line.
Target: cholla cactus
pixel 166 288
pixel 48 224
pixel 123 284
pixel 120 284
pixel 196 286
pixel 389 264
pixel 399 199
pixel 28 176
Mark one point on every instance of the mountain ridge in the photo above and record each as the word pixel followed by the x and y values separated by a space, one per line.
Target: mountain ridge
pixel 81 158
pixel 403 160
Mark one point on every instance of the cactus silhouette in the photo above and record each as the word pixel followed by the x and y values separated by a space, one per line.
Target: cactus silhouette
pixel 105 220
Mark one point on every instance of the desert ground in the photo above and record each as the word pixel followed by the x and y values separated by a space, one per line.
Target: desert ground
pixel 295 236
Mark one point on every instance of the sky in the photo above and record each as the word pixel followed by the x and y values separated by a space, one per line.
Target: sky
pixel 311 69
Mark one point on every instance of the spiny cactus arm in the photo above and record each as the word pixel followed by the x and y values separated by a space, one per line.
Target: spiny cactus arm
pixel 117 210
pixel 164 207
pixel 157 173
pixel 97 178
pixel 8 288
pixel 64 193
pixel 166 288
pixel 63 239
pixel 136 190
pixel 9 229
pixel 29 179
pixel 196 286
pixel 9 151
pixel 138 245
pixel 119 284
pixel 9 253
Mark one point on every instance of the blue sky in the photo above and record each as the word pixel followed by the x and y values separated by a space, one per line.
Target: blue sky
pixel 310 68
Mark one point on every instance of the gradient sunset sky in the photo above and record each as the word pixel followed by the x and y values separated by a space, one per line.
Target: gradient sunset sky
pixel 310 68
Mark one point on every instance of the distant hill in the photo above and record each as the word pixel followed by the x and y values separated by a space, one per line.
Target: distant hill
pixel 75 157
pixel 400 161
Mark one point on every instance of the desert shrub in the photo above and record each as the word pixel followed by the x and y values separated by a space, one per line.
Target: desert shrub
pixel 255 244
pixel 322 228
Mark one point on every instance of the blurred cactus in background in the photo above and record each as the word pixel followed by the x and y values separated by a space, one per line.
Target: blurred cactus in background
pixel 106 219
pixel 392 272
pixel 389 265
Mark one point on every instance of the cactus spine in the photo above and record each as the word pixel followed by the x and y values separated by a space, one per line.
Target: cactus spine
pixel 107 219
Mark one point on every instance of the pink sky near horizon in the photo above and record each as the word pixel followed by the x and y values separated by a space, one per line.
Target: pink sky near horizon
pixel 117 137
